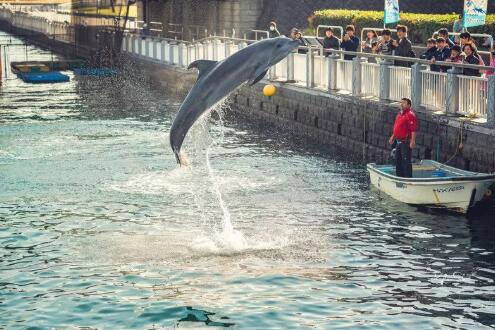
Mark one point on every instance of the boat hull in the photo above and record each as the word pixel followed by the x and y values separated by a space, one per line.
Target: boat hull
pixel 457 195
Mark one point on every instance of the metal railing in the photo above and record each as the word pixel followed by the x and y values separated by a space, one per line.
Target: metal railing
pixel 401 86
pixel 175 31
pixel 197 32
pixel 473 96
pixel 260 34
pixel 344 75
pixel 314 70
pixel 370 79
pixel 434 90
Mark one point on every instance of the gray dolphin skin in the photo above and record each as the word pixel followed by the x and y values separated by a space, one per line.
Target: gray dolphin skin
pixel 216 80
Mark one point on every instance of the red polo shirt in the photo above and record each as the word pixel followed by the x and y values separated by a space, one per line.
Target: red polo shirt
pixel 405 124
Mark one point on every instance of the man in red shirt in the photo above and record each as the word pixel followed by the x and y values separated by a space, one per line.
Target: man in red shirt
pixel 404 138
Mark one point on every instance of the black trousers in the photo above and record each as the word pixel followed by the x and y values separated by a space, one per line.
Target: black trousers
pixel 403 165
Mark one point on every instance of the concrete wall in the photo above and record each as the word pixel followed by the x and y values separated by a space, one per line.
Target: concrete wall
pixel 364 126
pixel 358 125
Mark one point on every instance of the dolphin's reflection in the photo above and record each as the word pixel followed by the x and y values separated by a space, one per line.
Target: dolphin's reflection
pixel 200 316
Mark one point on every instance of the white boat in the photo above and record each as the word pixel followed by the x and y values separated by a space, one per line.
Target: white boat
pixel 433 184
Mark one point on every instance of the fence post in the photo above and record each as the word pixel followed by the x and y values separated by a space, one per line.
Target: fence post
pixel 215 49
pixel 133 44
pixel 155 48
pixel 196 51
pixel 181 55
pixel 332 71
pixel 227 48
pixel 290 67
pixel 206 51
pixel 416 85
pixel 490 109
pixel 147 47
pixel 356 76
pixel 162 49
pixel 385 80
pixel 452 99
pixel 171 53
pixel 139 45
pixel 310 68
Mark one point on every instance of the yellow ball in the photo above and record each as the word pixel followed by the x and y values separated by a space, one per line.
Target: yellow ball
pixel 269 90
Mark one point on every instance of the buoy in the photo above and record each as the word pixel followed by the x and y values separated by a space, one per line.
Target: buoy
pixel 269 90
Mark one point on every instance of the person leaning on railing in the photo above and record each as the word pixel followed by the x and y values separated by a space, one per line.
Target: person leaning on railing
pixel 295 34
pixel 403 47
pixel 465 38
pixel 273 31
pixel 367 45
pixel 456 55
pixel 431 49
pixel 350 42
pixel 444 33
pixel 330 41
pixel 441 55
pixel 385 43
pixel 374 50
pixel 472 57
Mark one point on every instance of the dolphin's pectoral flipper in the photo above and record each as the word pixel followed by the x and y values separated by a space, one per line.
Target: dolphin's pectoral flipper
pixel 258 78
pixel 203 66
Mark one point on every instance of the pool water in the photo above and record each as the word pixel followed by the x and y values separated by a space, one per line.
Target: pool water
pixel 99 227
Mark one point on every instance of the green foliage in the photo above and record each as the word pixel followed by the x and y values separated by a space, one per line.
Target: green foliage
pixel 421 26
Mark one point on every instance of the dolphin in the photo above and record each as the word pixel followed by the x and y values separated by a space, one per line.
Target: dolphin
pixel 216 80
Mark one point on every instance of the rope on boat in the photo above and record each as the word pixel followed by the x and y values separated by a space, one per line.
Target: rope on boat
pixel 460 141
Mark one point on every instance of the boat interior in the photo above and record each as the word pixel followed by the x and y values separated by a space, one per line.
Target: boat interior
pixel 429 169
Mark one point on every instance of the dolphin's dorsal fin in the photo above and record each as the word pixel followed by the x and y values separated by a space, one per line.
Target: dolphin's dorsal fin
pixel 258 78
pixel 204 66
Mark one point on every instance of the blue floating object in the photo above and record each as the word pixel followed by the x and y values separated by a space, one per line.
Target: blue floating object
pixel 388 170
pixel 438 173
pixel 95 72
pixel 43 77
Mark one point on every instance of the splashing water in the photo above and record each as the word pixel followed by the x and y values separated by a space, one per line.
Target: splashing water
pixel 227 239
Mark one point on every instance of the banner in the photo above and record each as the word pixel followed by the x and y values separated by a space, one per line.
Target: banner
pixel 391 11
pixel 474 12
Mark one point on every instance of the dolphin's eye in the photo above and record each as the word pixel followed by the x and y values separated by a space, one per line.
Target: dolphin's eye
pixel 279 46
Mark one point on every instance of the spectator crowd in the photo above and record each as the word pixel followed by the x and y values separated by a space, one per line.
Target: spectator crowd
pixel 440 48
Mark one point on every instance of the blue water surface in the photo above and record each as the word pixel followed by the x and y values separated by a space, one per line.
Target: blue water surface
pixel 99 228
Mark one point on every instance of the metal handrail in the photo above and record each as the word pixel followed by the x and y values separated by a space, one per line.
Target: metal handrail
pixel 261 32
pixel 410 59
pixel 358 54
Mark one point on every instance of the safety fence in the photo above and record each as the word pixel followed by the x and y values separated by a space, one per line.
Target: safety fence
pixel 344 75
pixel 400 85
pixel 370 79
pixel 61 31
pixel 434 87
pixel 312 69
pixel 473 95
